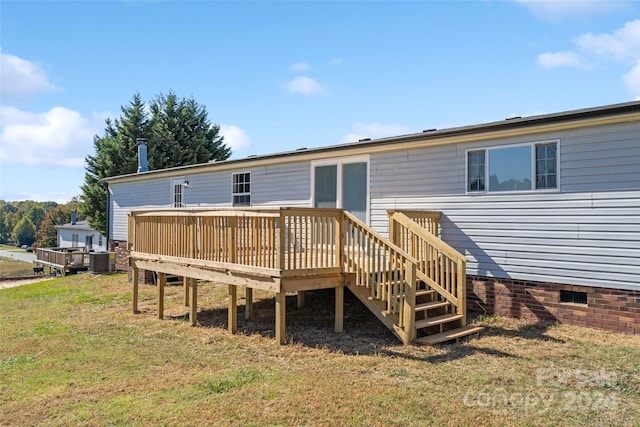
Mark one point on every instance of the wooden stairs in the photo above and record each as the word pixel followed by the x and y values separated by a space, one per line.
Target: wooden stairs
pixel 438 303
pixel 436 319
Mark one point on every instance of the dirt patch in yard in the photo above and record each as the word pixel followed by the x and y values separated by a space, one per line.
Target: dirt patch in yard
pixel 12 283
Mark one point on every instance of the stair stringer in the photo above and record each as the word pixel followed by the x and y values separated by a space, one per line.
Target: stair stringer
pixel 375 306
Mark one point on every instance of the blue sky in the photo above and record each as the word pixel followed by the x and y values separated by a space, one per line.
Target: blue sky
pixel 282 75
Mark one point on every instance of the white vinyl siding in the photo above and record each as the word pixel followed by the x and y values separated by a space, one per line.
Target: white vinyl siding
pixel 69 236
pixel 582 238
pixel 277 185
pixel 585 232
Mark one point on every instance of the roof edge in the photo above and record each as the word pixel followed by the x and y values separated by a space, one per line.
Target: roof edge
pixel 506 124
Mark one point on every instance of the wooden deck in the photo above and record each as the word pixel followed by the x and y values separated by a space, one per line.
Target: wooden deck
pixel 63 260
pixel 295 250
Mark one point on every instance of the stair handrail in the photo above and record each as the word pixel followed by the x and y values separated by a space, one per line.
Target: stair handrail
pixel 429 220
pixel 436 271
pixel 368 253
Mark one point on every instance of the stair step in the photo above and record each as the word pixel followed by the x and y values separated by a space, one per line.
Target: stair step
pixel 437 320
pixel 424 292
pixel 454 334
pixel 431 305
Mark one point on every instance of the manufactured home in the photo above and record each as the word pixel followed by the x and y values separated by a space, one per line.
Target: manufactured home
pixel 544 210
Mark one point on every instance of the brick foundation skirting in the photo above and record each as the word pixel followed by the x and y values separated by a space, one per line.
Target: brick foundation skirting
pixel 609 309
pixel 122 261
pixel 122 254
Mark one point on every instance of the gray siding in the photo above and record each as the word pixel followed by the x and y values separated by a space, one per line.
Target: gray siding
pixel 280 185
pixel 588 239
pixel 587 233
pixel 134 195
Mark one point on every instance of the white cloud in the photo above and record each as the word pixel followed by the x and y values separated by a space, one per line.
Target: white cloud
pixel 632 80
pixel 235 138
pixel 20 78
pixel 305 86
pixel 554 10
pixel 300 66
pixel 58 137
pixel 622 45
pixel 559 59
pixel 374 131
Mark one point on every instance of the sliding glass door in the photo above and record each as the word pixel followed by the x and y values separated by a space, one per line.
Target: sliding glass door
pixel 342 184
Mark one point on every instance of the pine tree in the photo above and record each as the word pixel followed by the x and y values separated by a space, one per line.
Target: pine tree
pixel 178 132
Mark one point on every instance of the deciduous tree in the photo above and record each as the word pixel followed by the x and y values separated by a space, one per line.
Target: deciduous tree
pixel 47 235
pixel 24 232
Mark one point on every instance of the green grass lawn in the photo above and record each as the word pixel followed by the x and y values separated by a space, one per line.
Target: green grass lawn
pixel 72 353
pixel 12 268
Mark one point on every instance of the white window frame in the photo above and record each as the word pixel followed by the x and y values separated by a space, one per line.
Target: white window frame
pixel 75 240
pixel 174 183
pixel 533 146
pixel 339 162
pixel 248 193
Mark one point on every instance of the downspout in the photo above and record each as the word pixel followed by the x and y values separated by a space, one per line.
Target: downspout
pixel 106 227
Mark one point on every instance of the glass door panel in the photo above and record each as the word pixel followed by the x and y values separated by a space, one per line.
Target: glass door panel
pixel 354 189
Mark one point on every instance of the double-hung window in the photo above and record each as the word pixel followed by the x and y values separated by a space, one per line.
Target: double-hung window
pixel 241 189
pixel 177 193
pixel 513 168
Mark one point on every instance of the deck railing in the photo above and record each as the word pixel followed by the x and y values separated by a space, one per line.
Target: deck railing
pixel 429 220
pixel 282 239
pixel 441 267
pixel 282 242
pixel 63 257
pixel 388 272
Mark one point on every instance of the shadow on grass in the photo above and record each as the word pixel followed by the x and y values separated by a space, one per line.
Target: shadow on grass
pixel 313 326
pixel 534 331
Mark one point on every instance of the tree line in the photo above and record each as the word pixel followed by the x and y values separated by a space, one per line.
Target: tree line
pixel 33 223
pixel 178 132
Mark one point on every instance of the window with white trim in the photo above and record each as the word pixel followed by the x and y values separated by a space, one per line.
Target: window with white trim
pixel 74 240
pixel 513 168
pixel 241 189
pixel 178 194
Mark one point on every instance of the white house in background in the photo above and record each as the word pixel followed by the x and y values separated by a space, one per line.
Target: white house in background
pixel 80 235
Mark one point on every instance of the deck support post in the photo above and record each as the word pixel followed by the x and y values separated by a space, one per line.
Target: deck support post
pixel 185 287
pixel 300 299
pixel 134 298
pixel 248 305
pixel 281 306
pixel 162 280
pixel 339 326
pixel 409 304
pixel 233 309
pixel 193 304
